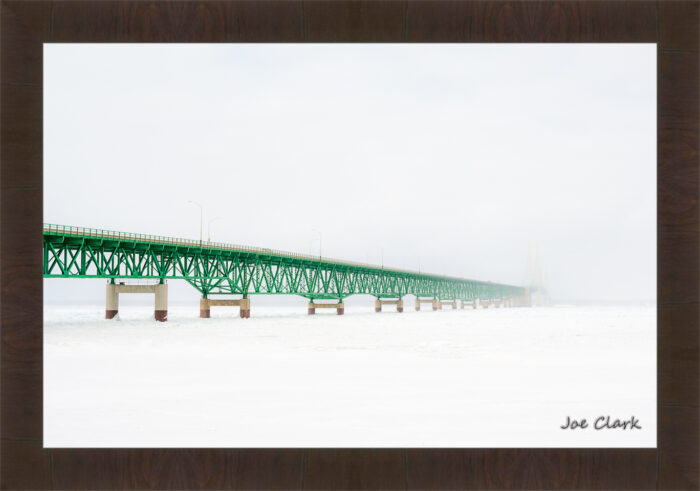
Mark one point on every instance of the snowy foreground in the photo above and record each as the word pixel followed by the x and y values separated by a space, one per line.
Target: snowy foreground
pixel 472 378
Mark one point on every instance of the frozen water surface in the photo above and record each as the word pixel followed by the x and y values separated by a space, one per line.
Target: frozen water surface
pixel 472 378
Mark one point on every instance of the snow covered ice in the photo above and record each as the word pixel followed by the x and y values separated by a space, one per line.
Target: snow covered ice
pixel 452 378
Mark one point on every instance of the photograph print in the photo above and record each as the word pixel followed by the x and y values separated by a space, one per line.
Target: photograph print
pixel 349 245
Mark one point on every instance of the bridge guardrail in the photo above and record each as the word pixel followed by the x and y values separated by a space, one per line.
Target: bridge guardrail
pixel 112 234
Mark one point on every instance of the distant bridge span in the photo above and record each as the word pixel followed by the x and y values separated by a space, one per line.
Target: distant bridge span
pixel 215 268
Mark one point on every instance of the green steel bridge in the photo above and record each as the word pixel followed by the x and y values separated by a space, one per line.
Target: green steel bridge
pixel 216 268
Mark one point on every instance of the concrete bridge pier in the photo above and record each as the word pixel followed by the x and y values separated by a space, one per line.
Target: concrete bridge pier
pixel 423 300
pixel 438 304
pixel 398 302
pixel 161 310
pixel 205 305
pixel 111 302
pixel 339 307
pixel 161 298
pixel 245 308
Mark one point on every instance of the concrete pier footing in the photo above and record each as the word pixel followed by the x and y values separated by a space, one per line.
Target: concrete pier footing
pixel 205 305
pixel 439 304
pixel 111 302
pixel 423 300
pixel 245 308
pixel 161 298
pixel 204 308
pixel 339 307
pixel 382 301
pixel 161 310
pixel 495 303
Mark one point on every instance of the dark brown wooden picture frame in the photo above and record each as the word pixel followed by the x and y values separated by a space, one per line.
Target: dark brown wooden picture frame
pixel 26 25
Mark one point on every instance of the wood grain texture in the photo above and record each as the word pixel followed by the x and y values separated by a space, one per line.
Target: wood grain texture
pixel 268 469
pixel 678 453
pixel 186 21
pixel 354 21
pixel 24 465
pixel 678 247
pixel 531 469
pixel 502 21
pixel 25 26
pixel 21 313
pixel 678 25
pixel 678 340
pixel 678 231
pixel 354 469
pixel 21 122
pixel 177 469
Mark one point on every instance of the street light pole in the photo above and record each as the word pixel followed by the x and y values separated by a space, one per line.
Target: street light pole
pixel 201 218
pixel 209 228
pixel 381 249
pixel 311 243
pixel 320 243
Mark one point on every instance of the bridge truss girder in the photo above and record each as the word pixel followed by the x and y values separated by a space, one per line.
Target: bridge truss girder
pixel 214 271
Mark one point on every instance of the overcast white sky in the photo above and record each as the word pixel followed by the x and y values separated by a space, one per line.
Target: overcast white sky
pixel 453 157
